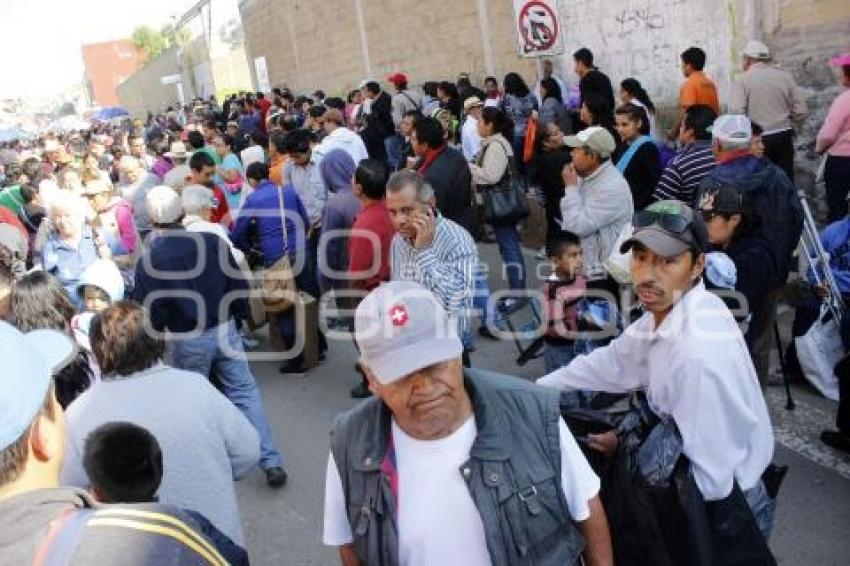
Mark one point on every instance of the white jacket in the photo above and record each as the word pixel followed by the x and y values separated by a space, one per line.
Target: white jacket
pixel 345 139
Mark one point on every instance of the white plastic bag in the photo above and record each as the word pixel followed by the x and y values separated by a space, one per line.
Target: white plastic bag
pixel 617 264
pixel 819 350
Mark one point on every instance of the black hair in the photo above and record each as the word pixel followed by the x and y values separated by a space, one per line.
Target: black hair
pixel 430 88
pixel 319 94
pixel 199 160
pixel 449 88
pixel 259 138
pixel 371 175
pixel 123 462
pixel 278 139
pixel 599 107
pixel 228 140
pixel 636 114
pixel 634 88
pixel 335 102
pixel 553 89
pixel 557 245
pixel 695 57
pixel 373 87
pixel 196 139
pixel 500 121
pixel 585 56
pixel 491 80
pixel 515 85
pixel 429 131
pixel 258 171
pixel 32 169
pixel 297 141
pixel 699 118
pixel 756 128
pixel 464 82
pixel 28 193
pixel 316 111
pixel 351 95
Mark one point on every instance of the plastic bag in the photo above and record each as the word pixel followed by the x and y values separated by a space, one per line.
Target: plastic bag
pixel 660 452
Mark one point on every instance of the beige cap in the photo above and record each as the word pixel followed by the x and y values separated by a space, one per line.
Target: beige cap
pixel 595 138
pixel 757 50
pixel 471 102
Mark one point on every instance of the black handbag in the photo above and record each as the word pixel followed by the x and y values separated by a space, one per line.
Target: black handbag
pixel 505 202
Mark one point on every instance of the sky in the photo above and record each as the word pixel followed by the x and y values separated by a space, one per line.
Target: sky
pixel 42 39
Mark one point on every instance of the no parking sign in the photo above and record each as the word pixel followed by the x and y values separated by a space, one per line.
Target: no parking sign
pixel 538 29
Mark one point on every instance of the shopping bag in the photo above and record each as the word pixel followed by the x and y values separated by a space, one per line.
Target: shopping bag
pixel 819 350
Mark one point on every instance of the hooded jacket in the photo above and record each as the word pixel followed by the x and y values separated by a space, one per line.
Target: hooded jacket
pixel 337 171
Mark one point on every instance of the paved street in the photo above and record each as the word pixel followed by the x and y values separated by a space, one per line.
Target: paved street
pixel 284 528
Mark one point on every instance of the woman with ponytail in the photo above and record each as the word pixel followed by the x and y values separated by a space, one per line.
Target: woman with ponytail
pixel 631 92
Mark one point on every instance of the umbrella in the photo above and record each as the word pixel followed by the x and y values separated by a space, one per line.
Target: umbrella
pixel 13 133
pixel 109 112
pixel 70 123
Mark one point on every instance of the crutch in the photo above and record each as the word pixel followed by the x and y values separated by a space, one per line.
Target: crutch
pixel 789 401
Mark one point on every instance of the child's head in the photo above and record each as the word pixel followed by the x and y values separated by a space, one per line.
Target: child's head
pixel 101 285
pixel 564 251
pixel 123 462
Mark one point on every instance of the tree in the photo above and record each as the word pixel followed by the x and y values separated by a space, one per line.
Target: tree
pixel 152 42
pixel 149 41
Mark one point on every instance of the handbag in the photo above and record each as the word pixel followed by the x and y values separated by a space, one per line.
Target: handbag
pixel 819 350
pixel 505 202
pixel 278 287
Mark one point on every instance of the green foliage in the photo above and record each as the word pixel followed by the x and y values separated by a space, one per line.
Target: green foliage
pixel 152 42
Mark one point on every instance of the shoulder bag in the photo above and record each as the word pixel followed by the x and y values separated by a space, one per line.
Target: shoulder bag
pixel 278 281
pixel 505 202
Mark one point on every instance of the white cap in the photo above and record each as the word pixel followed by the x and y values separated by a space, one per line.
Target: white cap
pixel 401 328
pixel 720 270
pixel 164 206
pixel 732 128
pixel 757 50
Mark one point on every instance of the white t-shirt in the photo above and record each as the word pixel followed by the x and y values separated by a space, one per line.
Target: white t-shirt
pixel 438 522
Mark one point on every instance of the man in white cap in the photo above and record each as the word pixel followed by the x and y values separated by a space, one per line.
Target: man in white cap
pixel 687 353
pixel 187 282
pixel 775 202
pixel 178 176
pixel 41 522
pixel 597 201
pixel 418 473
pixel 470 141
pixel 769 97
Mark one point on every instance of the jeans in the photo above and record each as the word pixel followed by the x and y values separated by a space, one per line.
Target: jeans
pixel 556 356
pixel 393 145
pixel 836 177
pixel 481 302
pixel 763 507
pixel 510 249
pixel 204 354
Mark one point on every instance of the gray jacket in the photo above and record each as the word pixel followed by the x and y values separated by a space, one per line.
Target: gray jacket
pixel 596 211
pixel 513 474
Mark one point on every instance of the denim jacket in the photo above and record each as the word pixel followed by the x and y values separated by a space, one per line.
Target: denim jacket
pixel 513 474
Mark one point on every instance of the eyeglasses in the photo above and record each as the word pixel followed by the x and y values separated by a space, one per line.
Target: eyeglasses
pixel 675 223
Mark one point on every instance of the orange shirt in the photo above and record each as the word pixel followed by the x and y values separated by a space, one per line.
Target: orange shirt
pixel 276 169
pixel 699 89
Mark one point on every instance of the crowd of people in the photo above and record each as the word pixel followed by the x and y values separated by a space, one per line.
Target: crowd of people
pixel 139 260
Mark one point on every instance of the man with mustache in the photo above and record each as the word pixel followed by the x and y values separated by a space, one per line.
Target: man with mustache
pixel 451 466
pixel 689 356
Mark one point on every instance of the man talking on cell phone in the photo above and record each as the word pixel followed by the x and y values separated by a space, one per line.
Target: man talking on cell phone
pixel 432 250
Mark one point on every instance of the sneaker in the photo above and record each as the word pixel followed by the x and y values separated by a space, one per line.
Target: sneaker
pixel 360 391
pixel 247 340
pixel 836 439
pixel 511 305
pixel 276 477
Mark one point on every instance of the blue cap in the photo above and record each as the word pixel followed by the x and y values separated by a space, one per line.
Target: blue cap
pixel 29 361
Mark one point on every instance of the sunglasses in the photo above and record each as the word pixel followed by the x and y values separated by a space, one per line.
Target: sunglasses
pixel 675 223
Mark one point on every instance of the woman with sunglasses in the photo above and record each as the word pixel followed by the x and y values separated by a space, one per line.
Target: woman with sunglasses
pixel 732 228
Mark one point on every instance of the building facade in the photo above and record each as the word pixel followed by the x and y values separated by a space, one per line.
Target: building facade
pixel 107 65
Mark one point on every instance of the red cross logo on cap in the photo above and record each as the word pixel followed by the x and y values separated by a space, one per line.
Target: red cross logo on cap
pixel 398 314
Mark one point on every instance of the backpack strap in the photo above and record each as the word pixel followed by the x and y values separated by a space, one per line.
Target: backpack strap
pixel 407 96
pixel 624 161
pixel 63 537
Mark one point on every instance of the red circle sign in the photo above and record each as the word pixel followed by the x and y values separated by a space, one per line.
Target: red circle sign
pixel 538 26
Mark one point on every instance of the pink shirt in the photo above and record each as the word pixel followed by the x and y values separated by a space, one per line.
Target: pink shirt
pixel 834 135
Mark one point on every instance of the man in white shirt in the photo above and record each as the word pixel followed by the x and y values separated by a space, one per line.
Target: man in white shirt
pixel 446 466
pixel 469 139
pixel 689 356
pixel 337 136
